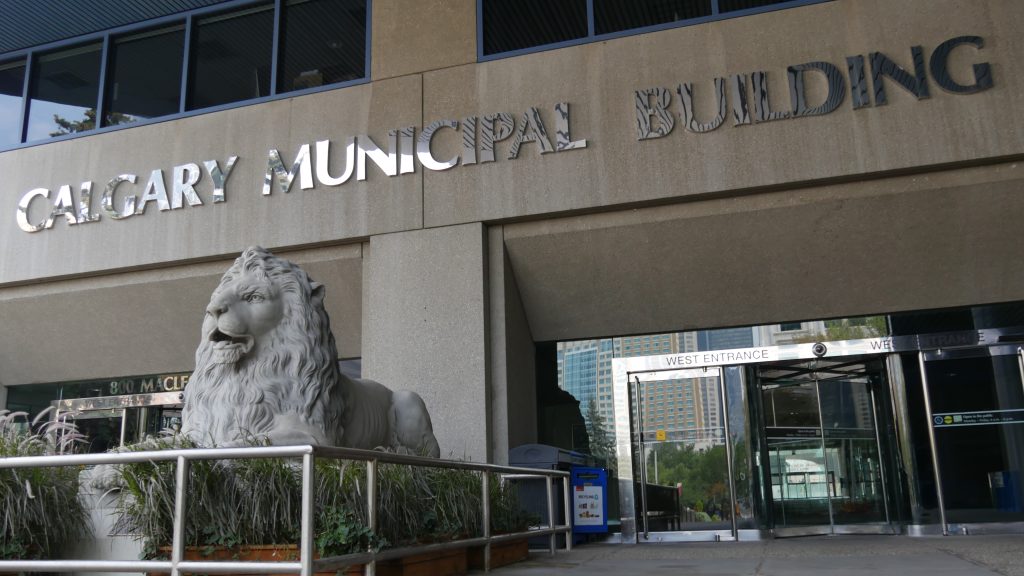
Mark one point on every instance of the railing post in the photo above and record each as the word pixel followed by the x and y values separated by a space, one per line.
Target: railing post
pixel 568 512
pixel 308 516
pixel 178 539
pixel 486 487
pixel 551 514
pixel 371 507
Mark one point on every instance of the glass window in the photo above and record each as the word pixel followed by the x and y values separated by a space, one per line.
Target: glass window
pixel 232 57
pixel 12 83
pixel 517 24
pixel 509 25
pixel 145 79
pixel 733 5
pixel 324 42
pixel 789 326
pixel 65 87
pixel 617 15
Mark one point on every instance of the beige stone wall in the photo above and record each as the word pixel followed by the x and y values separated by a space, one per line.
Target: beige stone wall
pixel 441 281
pixel 894 244
pixel 146 322
pixel 599 79
pixel 413 36
pixel 424 69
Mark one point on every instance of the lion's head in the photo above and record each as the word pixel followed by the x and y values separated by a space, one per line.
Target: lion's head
pixel 266 351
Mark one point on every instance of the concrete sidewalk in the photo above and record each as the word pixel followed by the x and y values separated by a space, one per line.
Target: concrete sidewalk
pixel 829 556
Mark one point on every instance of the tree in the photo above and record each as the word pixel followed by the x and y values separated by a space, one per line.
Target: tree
pixel 66 126
pixel 849 329
pixel 702 473
pixel 602 444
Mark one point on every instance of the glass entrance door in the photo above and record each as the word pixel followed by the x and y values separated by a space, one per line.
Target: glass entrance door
pixel 976 398
pixel 824 454
pixel 109 422
pixel 681 457
pixel 103 429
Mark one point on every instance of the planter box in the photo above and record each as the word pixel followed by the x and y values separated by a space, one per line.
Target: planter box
pixel 255 553
pixel 502 554
pixel 444 563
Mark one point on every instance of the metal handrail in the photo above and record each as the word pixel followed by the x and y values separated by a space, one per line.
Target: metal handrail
pixel 306 565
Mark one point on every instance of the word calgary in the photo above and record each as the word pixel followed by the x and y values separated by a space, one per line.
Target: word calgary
pixel 654 118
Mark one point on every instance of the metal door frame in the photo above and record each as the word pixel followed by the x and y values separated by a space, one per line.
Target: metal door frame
pixel 115 407
pixel 982 343
pixel 717 535
pixel 624 370
pixel 887 347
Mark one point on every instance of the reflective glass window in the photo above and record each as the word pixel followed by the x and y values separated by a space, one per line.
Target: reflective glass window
pixel 617 15
pixel 12 84
pixel 323 42
pixel 145 76
pixel 733 5
pixel 65 89
pixel 232 56
pixel 517 24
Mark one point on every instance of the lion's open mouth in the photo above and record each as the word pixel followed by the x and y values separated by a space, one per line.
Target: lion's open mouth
pixel 229 348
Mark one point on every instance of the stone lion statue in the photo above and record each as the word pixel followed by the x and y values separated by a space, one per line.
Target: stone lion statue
pixel 267 368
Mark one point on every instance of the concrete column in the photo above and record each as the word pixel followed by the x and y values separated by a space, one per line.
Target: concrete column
pixel 425 328
pixel 513 399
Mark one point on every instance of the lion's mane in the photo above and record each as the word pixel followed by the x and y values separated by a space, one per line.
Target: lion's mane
pixel 297 374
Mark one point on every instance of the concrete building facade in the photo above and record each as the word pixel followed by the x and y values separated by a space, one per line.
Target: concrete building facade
pixel 820 160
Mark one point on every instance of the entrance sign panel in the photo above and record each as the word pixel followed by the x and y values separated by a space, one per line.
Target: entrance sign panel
pixel 987 418
pixel 674 362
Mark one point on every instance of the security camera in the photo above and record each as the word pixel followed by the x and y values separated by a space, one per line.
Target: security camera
pixel 819 349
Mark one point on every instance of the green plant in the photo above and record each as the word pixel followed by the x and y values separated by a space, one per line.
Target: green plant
pixel 233 503
pixel 456 498
pixel 40 511
pixel 507 516
pixel 341 532
pixel 257 501
pixel 422 505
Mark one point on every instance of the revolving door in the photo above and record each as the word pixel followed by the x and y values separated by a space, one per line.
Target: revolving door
pixel 829 460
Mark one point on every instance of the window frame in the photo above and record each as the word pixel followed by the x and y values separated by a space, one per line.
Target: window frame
pixel 189 19
pixel 592 36
pixel 108 71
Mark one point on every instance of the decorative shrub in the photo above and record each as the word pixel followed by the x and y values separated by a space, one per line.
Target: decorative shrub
pixel 40 511
pixel 258 501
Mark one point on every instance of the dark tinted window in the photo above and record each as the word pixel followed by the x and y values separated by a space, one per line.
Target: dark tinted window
pixel 617 15
pixel 516 24
pixel 232 57
pixel 65 89
pixel 732 5
pixel 510 25
pixel 324 42
pixel 12 84
pixel 145 77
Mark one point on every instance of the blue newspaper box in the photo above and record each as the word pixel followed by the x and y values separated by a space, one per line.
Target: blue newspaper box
pixel 589 500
